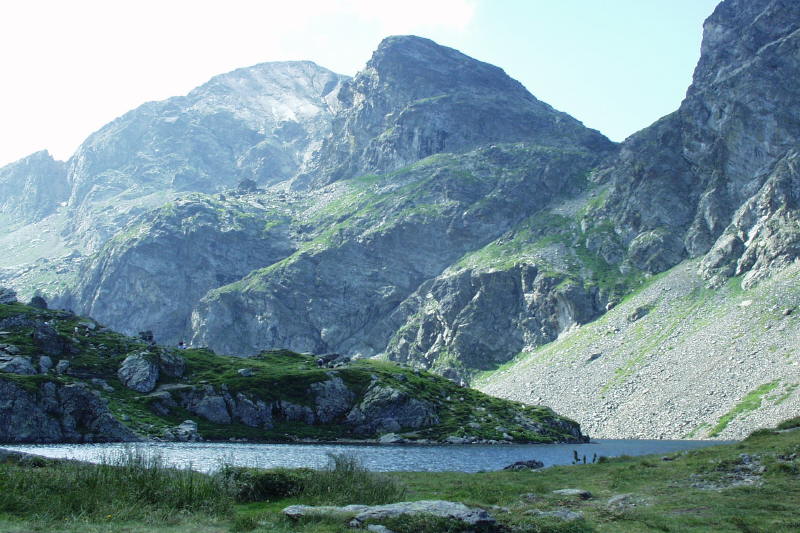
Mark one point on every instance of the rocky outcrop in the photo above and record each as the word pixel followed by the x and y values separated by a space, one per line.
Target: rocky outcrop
pixel 32 188
pixel 482 318
pixel 764 236
pixel 7 296
pixel 384 409
pixel 170 258
pixel 56 413
pixel 139 372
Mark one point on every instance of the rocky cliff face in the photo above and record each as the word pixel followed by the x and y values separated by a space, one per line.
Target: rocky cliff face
pixel 677 184
pixel 31 189
pixel 258 123
pixel 416 98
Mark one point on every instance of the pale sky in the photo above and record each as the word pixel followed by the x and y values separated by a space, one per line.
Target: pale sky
pixel 69 67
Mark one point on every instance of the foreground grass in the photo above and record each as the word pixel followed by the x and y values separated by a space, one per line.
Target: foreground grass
pixel 710 489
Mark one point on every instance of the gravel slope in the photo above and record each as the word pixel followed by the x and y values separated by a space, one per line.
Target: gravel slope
pixel 678 370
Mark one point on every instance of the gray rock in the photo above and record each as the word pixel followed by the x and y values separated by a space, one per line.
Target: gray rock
pixel 57 413
pixel 384 409
pixel 18 365
pixel 10 349
pixel 171 364
pixel 38 302
pixel 362 513
pixel 161 403
pixel 7 296
pixel 186 431
pixel 245 372
pixel 332 399
pixel 391 438
pixel 139 372
pixel 63 366
pixel 377 528
pixel 213 408
pixel 45 364
pixel 50 342
pixel 624 502
pixel 575 493
pixel 531 464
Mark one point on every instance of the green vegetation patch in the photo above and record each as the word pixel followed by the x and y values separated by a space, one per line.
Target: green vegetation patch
pixel 749 403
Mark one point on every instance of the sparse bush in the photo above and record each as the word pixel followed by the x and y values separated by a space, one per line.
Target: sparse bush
pixel 252 485
pixel 346 481
pixel 790 424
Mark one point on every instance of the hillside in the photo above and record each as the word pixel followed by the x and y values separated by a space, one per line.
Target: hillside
pixel 66 378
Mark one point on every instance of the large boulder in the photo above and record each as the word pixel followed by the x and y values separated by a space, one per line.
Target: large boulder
pixel 139 372
pixel 385 409
pixel 50 341
pixel 363 513
pixel 57 413
pixel 332 399
pixel 18 365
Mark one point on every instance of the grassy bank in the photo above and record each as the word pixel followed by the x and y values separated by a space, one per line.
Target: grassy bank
pixel 750 486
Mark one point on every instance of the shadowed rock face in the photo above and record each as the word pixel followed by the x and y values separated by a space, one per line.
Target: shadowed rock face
pixel 685 176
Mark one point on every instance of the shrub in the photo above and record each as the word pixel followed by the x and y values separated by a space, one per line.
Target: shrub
pixel 252 485
pixel 346 481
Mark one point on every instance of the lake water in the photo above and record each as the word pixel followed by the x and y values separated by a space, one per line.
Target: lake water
pixel 465 458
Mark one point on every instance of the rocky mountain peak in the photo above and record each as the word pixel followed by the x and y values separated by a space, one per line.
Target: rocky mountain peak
pixel 738 32
pixel 424 67
pixel 416 98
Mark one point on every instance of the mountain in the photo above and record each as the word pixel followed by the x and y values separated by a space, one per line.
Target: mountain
pixel 431 211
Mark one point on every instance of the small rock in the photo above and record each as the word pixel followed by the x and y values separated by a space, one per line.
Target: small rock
pixel 596 355
pixel 377 528
pixel 531 464
pixel 623 502
pixel 563 514
pixel 245 372
pixel 62 366
pixel 45 364
pixel 788 311
pixel 579 493
pixel 10 349
pixel 186 431
pixel 391 438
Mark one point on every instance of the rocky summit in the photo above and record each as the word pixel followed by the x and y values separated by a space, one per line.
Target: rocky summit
pixel 431 211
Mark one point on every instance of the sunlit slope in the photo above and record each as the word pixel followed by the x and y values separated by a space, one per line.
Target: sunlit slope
pixel 674 360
